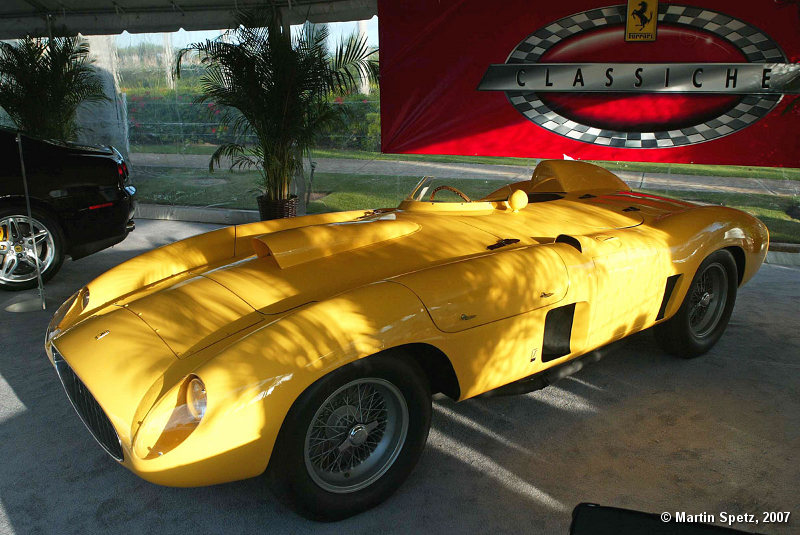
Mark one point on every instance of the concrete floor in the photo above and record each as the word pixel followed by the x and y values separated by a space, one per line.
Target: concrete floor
pixel 640 429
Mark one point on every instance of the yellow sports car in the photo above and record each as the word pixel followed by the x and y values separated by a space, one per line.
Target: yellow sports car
pixel 308 348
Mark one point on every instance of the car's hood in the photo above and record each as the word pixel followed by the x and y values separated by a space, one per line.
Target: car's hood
pixel 297 266
pixel 193 314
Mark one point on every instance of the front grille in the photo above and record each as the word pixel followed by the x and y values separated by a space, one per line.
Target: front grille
pixel 87 408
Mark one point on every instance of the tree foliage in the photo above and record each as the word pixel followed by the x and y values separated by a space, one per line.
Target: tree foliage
pixel 275 88
pixel 44 80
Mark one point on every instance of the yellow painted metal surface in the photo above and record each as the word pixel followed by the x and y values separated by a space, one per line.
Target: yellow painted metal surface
pixel 305 244
pixel 482 290
pixel 475 280
pixel 574 177
pixel 194 314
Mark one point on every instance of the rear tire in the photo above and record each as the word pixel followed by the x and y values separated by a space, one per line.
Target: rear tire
pixel 17 267
pixel 705 311
pixel 352 438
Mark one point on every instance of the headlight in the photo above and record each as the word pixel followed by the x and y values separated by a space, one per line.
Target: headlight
pixel 52 328
pixel 196 398
pixel 172 419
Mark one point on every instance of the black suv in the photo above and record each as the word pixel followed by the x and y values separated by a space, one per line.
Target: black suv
pixel 80 203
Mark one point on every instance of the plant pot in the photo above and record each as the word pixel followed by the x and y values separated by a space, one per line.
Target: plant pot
pixel 279 209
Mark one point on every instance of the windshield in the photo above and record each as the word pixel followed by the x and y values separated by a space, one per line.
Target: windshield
pixel 432 189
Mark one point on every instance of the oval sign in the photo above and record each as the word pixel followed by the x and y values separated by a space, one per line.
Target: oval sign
pixel 676 102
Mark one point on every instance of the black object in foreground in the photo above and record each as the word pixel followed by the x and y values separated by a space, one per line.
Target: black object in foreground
pixel 80 202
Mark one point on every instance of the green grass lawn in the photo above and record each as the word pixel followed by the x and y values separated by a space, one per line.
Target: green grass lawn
pixel 337 192
pixel 174 148
pixel 194 187
pixel 771 209
pixel 776 173
pixel 333 192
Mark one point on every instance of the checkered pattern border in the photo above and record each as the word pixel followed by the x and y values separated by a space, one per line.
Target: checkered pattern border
pixel 754 44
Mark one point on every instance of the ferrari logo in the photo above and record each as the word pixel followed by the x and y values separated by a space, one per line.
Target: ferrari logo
pixel 642 20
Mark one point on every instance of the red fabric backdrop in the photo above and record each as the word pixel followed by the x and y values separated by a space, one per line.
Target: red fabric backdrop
pixel 434 54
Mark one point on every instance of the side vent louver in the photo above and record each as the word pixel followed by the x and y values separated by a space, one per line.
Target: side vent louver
pixel 671 281
pixel 557 332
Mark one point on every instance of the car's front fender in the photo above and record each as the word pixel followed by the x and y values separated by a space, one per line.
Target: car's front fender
pixel 252 383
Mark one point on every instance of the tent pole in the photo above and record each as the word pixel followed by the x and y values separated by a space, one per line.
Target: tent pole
pixel 30 221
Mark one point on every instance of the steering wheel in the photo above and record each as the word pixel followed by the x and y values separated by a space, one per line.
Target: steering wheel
pixel 449 188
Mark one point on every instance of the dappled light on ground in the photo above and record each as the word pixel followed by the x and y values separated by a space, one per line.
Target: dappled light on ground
pixel 491 468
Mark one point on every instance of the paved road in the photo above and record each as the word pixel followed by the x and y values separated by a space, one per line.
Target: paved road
pixel 639 429
pixel 509 173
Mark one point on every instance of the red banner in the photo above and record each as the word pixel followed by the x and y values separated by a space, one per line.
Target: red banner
pixel 706 82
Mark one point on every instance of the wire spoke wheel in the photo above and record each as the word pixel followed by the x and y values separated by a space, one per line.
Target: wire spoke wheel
pixel 356 435
pixel 707 301
pixel 706 308
pixel 23 243
pixel 352 437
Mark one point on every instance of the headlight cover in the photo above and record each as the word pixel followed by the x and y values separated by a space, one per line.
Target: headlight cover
pixel 53 328
pixel 196 398
pixel 172 419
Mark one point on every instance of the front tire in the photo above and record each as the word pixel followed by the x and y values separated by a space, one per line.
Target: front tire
pixel 19 251
pixel 352 438
pixel 705 311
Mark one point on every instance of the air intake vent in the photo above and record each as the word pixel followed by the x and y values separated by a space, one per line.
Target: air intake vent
pixel 87 407
pixel 557 332
pixel 668 289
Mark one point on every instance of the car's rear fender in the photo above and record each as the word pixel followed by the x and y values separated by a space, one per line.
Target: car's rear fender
pixel 36 203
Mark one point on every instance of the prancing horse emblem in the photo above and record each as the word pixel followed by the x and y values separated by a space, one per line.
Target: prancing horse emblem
pixel 641 14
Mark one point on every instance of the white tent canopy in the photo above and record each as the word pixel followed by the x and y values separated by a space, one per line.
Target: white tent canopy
pixel 92 17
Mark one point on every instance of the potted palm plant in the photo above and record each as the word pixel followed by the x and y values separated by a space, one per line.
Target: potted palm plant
pixel 276 89
pixel 43 81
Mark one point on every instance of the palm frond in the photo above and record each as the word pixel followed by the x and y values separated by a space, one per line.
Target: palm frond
pixel 43 81
pixel 277 88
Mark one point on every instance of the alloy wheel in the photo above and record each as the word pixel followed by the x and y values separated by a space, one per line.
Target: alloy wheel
pixel 23 243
